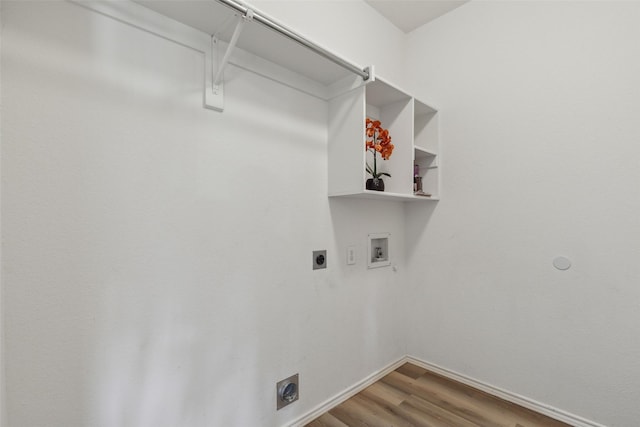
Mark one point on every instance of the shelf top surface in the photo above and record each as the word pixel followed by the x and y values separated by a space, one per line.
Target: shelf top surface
pixel 423 109
pixel 212 17
pixel 423 152
pixel 384 195
pixel 380 93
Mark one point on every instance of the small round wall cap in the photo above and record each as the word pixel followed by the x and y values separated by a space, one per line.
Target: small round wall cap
pixel 561 263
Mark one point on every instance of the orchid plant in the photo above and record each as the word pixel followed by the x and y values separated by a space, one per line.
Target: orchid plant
pixel 378 141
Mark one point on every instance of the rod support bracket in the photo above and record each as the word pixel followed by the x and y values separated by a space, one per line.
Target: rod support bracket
pixel 249 15
pixel 214 91
pixel 371 75
pixel 214 96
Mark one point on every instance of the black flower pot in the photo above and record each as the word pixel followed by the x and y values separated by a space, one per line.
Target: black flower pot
pixel 375 184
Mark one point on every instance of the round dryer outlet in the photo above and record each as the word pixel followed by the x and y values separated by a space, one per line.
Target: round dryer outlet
pixel 287 391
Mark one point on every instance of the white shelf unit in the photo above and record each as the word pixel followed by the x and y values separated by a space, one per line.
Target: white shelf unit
pixel 414 133
pixel 427 147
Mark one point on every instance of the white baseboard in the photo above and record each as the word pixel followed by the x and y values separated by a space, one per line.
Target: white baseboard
pixel 541 408
pixel 346 394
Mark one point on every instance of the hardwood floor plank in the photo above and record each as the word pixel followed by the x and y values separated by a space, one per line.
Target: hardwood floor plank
pixel 384 414
pixel 382 392
pixel 465 390
pixel 506 413
pixel 397 408
pixel 412 396
pixel 434 411
pixel 439 398
pixel 425 419
pixel 411 371
pixel 361 414
pixel 464 405
pixel 346 413
pixel 327 420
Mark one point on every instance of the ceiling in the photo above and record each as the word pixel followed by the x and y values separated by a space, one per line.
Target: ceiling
pixel 411 14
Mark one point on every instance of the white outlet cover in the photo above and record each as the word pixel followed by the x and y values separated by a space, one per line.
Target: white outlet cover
pixel 351 255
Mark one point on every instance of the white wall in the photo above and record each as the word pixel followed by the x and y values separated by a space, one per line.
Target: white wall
pixel 2 381
pixel 540 104
pixel 156 255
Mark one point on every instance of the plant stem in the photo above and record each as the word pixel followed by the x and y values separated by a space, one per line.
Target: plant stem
pixel 375 155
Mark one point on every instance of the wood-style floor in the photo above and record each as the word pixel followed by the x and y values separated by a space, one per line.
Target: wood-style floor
pixel 412 396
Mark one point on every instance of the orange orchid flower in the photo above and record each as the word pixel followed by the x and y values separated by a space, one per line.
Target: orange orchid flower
pixel 377 141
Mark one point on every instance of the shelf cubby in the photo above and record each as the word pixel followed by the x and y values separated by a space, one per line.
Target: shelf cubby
pixel 413 127
pixel 426 148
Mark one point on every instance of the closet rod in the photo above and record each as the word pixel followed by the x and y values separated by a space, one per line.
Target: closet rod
pixel 239 7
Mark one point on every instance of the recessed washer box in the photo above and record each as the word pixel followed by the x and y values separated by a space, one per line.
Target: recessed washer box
pixel 379 250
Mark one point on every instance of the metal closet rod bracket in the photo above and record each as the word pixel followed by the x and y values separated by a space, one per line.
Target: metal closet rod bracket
pixel 274 26
pixel 214 94
pixel 242 19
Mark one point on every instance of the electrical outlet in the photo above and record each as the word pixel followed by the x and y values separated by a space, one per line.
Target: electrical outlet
pixel 319 259
pixel 351 255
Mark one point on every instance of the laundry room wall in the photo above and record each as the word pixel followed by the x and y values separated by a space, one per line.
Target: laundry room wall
pixel 156 262
pixel 539 130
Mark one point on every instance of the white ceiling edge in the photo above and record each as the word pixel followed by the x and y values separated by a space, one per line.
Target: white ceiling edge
pixel 408 15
